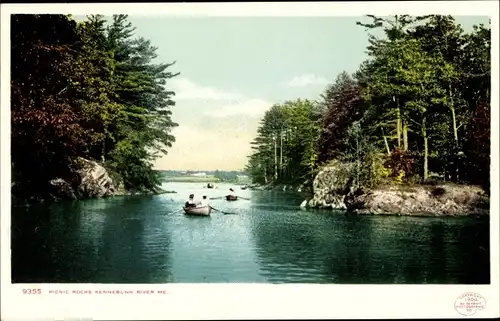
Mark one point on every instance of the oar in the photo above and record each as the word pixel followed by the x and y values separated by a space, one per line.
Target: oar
pixel 221 211
pixel 216 198
pixel 243 198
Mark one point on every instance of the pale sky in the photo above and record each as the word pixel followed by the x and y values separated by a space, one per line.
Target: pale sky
pixel 233 69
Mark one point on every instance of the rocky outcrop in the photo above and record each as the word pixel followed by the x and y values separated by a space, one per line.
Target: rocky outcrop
pixel 331 185
pixel 91 180
pixel 333 188
pixel 422 200
pixel 95 180
pixel 61 189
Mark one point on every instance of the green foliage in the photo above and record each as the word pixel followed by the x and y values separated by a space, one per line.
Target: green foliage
pixel 419 104
pixel 143 123
pixel 90 90
pixel 286 144
pixel 369 163
pixel 419 77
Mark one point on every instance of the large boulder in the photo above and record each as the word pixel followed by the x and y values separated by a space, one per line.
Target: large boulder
pixel 331 185
pixel 94 180
pixel 91 180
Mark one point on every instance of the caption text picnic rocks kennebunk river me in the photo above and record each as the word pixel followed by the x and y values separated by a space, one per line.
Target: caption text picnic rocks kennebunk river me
pixel 88 291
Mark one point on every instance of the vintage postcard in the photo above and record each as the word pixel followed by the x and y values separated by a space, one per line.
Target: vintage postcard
pixel 249 160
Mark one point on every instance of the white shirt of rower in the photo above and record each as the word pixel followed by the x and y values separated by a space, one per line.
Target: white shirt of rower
pixel 204 202
pixel 232 193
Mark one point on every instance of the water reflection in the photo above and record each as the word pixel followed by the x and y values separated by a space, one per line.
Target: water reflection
pixel 328 247
pixel 147 239
pixel 39 234
pixel 311 247
pixel 115 240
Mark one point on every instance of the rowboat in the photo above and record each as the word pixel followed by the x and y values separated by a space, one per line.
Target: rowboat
pixel 231 198
pixel 199 210
pixel 210 185
pixel 244 187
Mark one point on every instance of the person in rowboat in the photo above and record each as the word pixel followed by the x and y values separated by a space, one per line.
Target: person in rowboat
pixel 204 201
pixel 231 192
pixel 190 202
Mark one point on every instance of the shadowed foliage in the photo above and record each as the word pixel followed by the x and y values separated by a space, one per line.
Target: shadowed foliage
pixel 87 89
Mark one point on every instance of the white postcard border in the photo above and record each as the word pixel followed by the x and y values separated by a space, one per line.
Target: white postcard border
pixel 261 301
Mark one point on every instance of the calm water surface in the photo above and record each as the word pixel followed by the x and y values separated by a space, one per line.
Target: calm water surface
pixel 146 239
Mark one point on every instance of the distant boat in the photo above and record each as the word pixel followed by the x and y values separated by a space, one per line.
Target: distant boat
pixel 231 198
pixel 210 185
pixel 244 187
pixel 199 210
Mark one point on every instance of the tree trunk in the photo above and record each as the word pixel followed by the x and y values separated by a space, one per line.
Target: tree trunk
pixel 455 174
pixel 398 126
pixel 281 154
pixel 275 161
pixel 405 136
pixel 426 150
pixel 455 130
pixel 103 151
pixel 454 119
pixel 358 162
pixel 386 143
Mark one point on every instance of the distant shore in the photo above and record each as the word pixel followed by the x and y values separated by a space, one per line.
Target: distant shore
pixel 191 179
pixel 198 179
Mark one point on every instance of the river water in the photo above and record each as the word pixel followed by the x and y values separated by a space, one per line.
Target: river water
pixel 268 239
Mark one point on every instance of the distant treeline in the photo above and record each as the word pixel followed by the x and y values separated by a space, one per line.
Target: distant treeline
pixel 216 176
pixel 85 89
pixel 418 107
pixel 214 173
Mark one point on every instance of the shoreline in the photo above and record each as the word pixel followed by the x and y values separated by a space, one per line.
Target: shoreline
pixel 473 214
pixel 415 200
pixel 419 200
pixel 447 206
pixel 35 200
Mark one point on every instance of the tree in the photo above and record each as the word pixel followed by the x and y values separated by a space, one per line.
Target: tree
pixel 462 63
pixel 301 143
pixel 395 28
pixel 45 120
pixel 143 124
pixel 422 89
pixel 86 90
pixel 343 104
pixel 476 82
pixel 477 147
pixel 285 146
pixel 94 89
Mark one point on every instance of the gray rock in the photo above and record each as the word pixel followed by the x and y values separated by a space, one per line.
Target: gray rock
pixel 334 188
pixel 62 189
pixel 453 200
pixel 95 180
pixel 331 185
